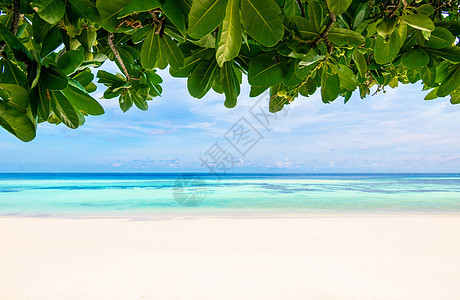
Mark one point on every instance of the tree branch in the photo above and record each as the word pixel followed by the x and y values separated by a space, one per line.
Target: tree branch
pixel 14 23
pixel 110 37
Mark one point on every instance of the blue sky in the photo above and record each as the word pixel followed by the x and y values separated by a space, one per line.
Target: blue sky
pixel 393 132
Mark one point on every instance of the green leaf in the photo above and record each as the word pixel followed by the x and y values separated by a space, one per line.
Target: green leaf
pixel 85 77
pixel 415 58
pixel 63 109
pixel 330 85
pixel 87 38
pixel 149 50
pixel 257 90
pixel 172 10
pixel 51 11
pixel 342 36
pixel 53 78
pixel 15 95
pixel 310 58
pixel 52 41
pixel 455 97
pixel 173 53
pixel 338 7
pixel 108 10
pixel 138 6
pixel 306 29
pixel 16 123
pixel 86 9
pixel 19 50
pixel 199 82
pixel 263 71
pixel 428 75
pixel 418 21
pixel 230 84
pixel 44 103
pixel 39 28
pixel 451 83
pixel 291 79
pixel 315 14
pixel 229 43
pixel 425 9
pixel 205 16
pixel 360 61
pixel 81 100
pixel 431 95
pixel 190 63
pixel 12 74
pixel 291 8
pixel 386 27
pixel 440 38
pixel 346 76
pixel 386 51
pixel 70 61
pixel 451 53
pixel 261 20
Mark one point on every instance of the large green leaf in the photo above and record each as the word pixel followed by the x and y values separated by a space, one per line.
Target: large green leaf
pixel 346 77
pixel 262 21
pixel 53 78
pixel 81 100
pixel 230 84
pixel 63 109
pixel 418 21
pixel 230 38
pixel 69 61
pixel 440 38
pixel 86 9
pixel 108 10
pixel 138 6
pixel 342 37
pixel 149 50
pixel 15 95
pixel 415 58
pixel 360 61
pixel 51 11
pixel 338 7
pixel 315 15
pixel 190 63
pixel 451 83
pixel 16 123
pixel 264 71
pixel 200 80
pixel 428 75
pixel 451 53
pixel 330 85
pixel 19 50
pixel 205 16
pixel 306 29
pixel 12 74
pixel 39 28
pixel 386 51
pixel 52 41
pixel 173 53
pixel 173 10
pixel 44 102
pixel 455 97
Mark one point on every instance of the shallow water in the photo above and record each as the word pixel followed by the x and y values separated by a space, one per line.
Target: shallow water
pixel 114 194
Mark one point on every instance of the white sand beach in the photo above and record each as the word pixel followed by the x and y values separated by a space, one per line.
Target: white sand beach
pixel 204 257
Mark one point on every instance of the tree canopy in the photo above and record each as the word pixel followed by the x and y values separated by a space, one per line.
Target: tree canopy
pixel 49 49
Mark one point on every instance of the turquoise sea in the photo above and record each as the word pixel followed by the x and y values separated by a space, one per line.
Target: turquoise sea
pixel 93 194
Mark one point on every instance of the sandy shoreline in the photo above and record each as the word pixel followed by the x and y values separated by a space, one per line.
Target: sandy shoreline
pixel 231 257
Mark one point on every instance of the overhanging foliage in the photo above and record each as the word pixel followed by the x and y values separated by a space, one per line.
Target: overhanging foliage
pixel 290 47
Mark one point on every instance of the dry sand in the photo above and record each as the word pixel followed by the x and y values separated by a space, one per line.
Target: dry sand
pixel 297 257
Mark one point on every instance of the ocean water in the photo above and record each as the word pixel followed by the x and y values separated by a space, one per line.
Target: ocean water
pixel 140 193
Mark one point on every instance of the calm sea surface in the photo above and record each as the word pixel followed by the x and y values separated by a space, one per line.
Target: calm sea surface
pixel 115 194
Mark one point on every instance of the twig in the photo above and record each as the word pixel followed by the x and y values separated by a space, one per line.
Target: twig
pixel 301 7
pixel 14 23
pixel 110 37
